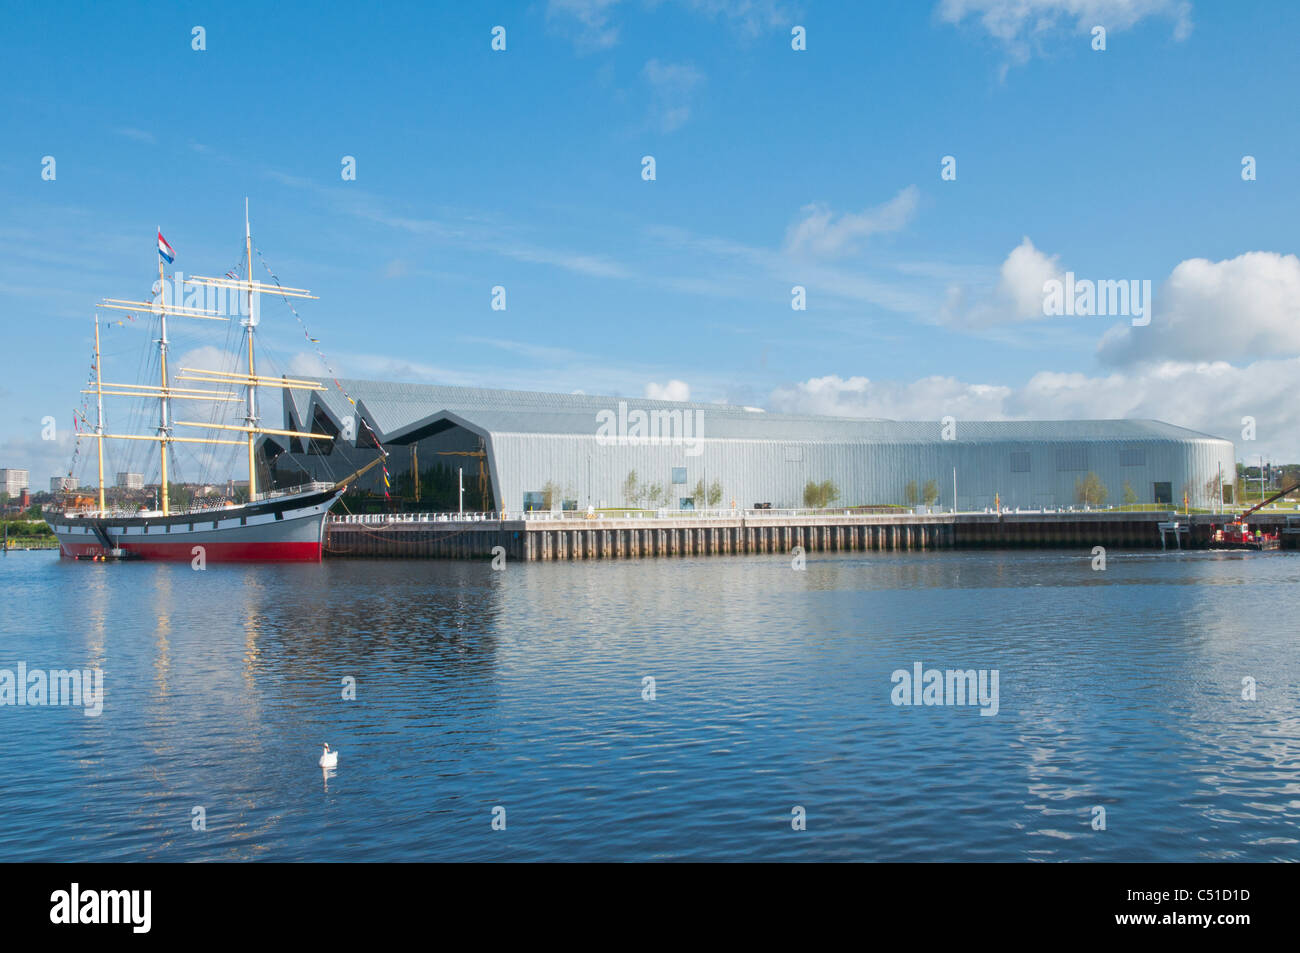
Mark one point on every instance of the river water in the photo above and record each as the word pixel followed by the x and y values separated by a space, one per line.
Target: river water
pixel 508 715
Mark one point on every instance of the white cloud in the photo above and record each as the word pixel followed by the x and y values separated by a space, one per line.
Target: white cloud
pixel 1023 25
pixel 593 28
pixel 673 390
pixel 926 399
pixel 1016 296
pixel 673 87
pixel 820 233
pixel 1023 275
pixel 1241 308
pixel 581 263
pixel 751 16
pixel 205 357
pixel 139 135
pixel 464 234
pixel 43 459
pixel 1210 397
pixel 305 364
pixel 730 269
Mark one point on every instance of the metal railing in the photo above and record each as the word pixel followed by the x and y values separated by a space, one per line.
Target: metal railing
pixel 607 514
pixel 196 506
pixel 21 543
pixel 380 519
pixel 316 486
pixel 714 515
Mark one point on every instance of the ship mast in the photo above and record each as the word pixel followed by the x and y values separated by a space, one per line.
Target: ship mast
pixel 163 390
pixel 251 389
pixel 99 416
pixel 250 380
pixel 164 428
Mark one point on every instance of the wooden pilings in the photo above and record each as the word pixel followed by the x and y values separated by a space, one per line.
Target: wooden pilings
pixel 579 539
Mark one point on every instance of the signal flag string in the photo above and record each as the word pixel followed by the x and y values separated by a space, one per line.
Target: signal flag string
pixel 315 342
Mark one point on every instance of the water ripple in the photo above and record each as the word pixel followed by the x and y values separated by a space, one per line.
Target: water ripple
pixel 1120 691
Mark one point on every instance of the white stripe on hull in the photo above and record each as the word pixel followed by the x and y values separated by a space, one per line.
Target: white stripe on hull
pixel 291 530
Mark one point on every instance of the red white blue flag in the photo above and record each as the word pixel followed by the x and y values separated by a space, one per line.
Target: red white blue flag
pixel 165 250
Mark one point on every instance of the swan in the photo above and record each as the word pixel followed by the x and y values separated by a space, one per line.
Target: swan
pixel 329 759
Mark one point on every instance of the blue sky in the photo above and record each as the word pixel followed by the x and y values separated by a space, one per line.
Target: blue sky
pixel 774 168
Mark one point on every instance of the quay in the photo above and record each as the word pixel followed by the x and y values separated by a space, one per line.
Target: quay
pixel 548 536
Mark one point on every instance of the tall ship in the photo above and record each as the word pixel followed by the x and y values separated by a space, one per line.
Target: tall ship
pixel 278 525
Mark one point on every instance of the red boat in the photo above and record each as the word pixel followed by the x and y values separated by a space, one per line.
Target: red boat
pixel 1237 535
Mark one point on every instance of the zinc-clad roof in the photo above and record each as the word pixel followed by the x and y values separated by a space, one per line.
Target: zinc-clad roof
pixel 538 440
pixel 395 408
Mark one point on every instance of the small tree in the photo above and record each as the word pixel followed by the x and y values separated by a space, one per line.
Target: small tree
pixel 631 489
pixel 715 493
pixel 1130 495
pixel 1090 490
pixel 656 495
pixel 820 495
pixel 180 496
pixel 701 495
pixel 909 493
pixel 549 494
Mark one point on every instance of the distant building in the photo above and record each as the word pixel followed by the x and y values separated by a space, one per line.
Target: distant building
pixel 60 484
pixel 130 481
pixel 13 482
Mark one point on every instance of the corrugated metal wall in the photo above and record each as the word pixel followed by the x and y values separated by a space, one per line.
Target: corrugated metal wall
pixel 755 471
pixel 535 439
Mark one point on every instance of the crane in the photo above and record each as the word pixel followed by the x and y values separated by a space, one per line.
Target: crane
pixel 1237 534
pixel 1263 503
pixel 481 453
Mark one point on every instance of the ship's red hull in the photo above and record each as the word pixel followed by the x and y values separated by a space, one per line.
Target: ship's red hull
pixel 287 528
